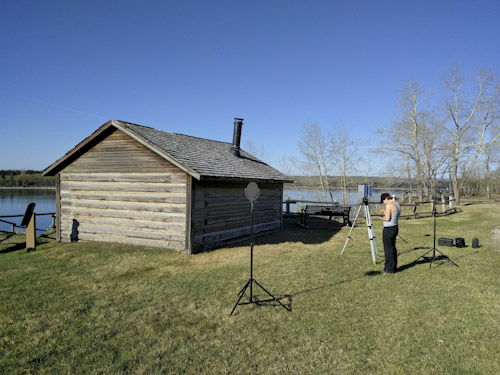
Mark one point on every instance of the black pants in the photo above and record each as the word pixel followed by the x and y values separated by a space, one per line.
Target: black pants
pixel 389 235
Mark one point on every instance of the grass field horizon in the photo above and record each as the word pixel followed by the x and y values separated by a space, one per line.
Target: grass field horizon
pixel 108 308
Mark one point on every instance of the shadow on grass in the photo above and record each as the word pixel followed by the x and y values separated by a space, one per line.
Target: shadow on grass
pixel 487 201
pixel 279 302
pixel 331 285
pixel 20 242
pixel 13 247
pixel 292 232
pixel 440 259
pixel 7 236
pixel 319 231
pixel 287 299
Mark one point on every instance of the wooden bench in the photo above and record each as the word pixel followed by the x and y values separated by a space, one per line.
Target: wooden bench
pixel 329 211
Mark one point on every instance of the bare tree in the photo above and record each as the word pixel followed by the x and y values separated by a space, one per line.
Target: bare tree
pixel 434 152
pixel 472 119
pixel 258 152
pixel 490 156
pixel 410 137
pixel 314 148
pixel 343 153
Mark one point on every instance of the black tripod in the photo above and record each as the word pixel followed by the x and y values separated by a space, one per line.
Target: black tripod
pixel 252 281
pixel 433 250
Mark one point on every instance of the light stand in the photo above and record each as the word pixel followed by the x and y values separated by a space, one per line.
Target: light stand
pixel 252 193
pixel 434 249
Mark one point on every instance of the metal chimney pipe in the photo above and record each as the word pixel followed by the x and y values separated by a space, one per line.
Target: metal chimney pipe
pixel 235 148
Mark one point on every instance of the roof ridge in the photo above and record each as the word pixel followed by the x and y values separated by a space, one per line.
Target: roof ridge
pixel 165 131
pixel 204 139
pixel 131 123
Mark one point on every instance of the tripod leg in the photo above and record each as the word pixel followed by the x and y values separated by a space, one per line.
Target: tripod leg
pixel 273 297
pixel 352 227
pixel 433 257
pixel 423 256
pixel 241 294
pixel 373 232
pixel 371 236
pixel 402 238
pixel 447 258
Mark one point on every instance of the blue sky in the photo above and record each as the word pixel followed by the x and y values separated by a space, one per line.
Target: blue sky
pixel 190 67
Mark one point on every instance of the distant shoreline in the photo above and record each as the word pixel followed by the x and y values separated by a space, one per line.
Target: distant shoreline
pixel 28 187
pixel 336 188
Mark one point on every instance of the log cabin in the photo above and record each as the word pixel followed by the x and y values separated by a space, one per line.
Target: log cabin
pixel 134 184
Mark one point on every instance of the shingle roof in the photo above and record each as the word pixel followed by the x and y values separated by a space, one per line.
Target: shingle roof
pixel 202 158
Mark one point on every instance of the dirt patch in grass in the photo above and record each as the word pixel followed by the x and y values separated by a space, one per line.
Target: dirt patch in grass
pixel 495 235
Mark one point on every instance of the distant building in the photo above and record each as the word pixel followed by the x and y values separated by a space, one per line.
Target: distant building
pixel 134 184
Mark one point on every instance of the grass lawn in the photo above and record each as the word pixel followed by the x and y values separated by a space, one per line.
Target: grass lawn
pixel 98 308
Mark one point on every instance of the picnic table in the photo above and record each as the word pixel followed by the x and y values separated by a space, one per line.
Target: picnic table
pixel 326 211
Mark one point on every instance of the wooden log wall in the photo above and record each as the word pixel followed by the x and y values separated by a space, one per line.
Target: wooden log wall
pixel 221 212
pixel 120 191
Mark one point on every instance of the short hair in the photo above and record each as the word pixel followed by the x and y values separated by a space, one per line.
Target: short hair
pixel 383 196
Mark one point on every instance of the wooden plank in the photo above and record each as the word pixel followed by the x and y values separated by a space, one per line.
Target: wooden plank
pixel 58 207
pixel 153 225
pixel 225 235
pixel 189 212
pixel 129 206
pixel 177 187
pixel 231 224
pixel 128 240
pixel 123 214
pixel 231 210
pixel 151 197
pixel 281 207
pixel 241 205
pixel 124 177
pixel 86 228
pixel 238 192
pixel 238 216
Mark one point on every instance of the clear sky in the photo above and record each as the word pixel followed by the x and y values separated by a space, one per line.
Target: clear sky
pixel 67 67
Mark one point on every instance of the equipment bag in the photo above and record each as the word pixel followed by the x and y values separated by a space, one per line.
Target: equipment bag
pixel 475 243
pixel 460 242
pixel 445 241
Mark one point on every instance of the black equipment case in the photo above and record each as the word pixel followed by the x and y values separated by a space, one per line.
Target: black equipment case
pixel 475 243
pixel 445 241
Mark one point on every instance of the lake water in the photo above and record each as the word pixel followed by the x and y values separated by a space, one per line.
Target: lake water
pixel 14 202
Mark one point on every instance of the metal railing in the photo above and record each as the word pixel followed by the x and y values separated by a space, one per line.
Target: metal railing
pixel 13 225
pixel 446 203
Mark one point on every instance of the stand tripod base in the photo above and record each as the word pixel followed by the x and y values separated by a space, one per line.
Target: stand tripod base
pixel 433 258
pixel 250 284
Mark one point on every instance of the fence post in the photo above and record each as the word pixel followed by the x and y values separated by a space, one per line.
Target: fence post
pixel 31 233
pixel 452 198
pixel 53 224
pixel 287 201
pixel 443 201
pixel 29 221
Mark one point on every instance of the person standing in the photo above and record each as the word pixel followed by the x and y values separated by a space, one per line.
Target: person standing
pixel 390 232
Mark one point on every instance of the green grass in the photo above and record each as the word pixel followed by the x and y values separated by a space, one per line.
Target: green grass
pixel 98 308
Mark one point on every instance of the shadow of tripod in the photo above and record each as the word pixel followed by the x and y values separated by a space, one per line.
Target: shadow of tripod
pixel 434 249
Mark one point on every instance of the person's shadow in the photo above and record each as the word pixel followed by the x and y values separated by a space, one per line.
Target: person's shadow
pixel 74 231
